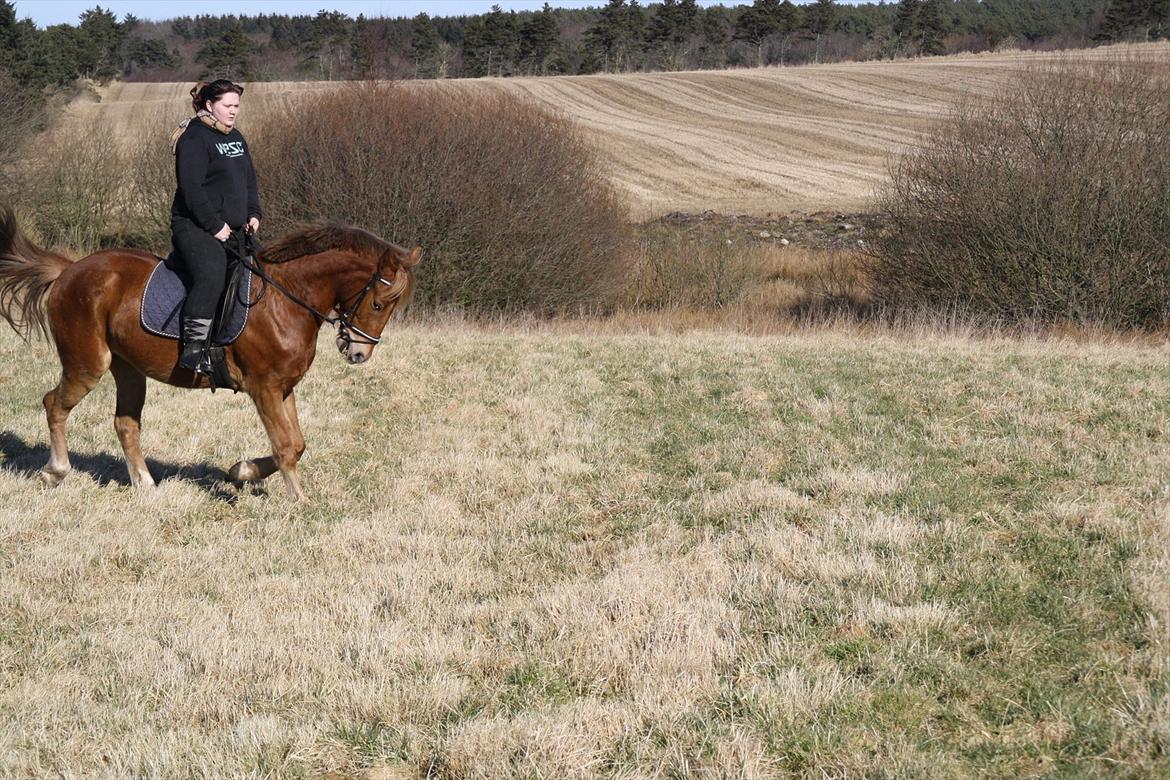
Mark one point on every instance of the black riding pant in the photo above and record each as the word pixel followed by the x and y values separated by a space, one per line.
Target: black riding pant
pixel 205 258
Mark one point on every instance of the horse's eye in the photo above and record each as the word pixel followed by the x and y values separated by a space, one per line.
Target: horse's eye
pixel 377 306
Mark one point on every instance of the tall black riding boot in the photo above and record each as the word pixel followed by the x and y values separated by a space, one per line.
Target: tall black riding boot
pixel 196 337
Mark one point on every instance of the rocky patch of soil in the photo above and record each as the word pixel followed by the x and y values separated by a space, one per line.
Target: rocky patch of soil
pixel 820 230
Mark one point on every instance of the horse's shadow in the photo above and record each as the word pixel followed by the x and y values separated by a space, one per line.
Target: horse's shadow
pixel 24 459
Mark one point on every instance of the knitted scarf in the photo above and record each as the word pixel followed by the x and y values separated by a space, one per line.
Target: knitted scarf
pixel 203 116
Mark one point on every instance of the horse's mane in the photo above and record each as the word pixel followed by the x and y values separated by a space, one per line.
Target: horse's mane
pixel 323 238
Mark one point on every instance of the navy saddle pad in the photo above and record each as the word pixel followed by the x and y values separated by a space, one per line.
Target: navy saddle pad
pixel 162 301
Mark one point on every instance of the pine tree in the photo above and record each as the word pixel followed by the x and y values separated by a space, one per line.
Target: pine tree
pixel 610 38
pixel 820 18
pixel 931 29
pixel 635 28
pixel 10 37
pixel 1160 19
pixel 713 50
pixel 424 46
pixel 790 21
pixel 670 30
pixel 361 54
pixel 757 23
pixel 151 53
pixel 226 55
pixel 324 48
pixel 473 49
pixel 539 37
pixel 101 39
pixel 906 24
pixel 1141 20
pixel 501 39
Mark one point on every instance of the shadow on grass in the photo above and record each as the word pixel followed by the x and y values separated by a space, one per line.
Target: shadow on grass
pixel 24 459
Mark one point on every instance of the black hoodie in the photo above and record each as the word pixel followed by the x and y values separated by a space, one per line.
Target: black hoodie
pixel 216 181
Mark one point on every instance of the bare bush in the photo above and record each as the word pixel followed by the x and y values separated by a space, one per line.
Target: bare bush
pixel 20 114
pixel 711 279
pixel 671 270
pixel 1049 201
pixel 149 186
pixel 73 189
pixel 507 199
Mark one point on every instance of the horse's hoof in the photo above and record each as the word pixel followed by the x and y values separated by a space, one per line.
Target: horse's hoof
pixel 51 480
pixel 244 471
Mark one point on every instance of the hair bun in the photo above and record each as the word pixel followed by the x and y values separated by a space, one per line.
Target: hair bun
pixel 195 90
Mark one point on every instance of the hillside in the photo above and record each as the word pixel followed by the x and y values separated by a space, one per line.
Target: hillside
pixel 756 141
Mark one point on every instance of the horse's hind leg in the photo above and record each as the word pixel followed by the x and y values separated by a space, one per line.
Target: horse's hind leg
pixel 75 384
pixel 128 419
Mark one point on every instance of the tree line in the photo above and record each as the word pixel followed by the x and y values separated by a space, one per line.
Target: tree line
pixel 616 36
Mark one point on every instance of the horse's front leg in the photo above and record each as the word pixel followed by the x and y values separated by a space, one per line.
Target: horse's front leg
pixel 279 416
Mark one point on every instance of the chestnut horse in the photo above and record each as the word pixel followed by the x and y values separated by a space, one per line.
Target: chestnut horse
pixel 92 313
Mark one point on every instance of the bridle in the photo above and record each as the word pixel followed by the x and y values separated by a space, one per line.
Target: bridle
pixel 344 321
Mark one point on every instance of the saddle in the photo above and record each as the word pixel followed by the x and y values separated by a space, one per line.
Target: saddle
pixel 162 304
pixel 162 301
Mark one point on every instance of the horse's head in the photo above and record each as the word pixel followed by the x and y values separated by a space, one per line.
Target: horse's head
pixel 363 319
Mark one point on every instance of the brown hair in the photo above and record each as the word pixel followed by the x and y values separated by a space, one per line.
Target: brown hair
pixel 213 91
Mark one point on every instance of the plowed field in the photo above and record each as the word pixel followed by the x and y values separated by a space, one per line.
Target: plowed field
pixel 754 141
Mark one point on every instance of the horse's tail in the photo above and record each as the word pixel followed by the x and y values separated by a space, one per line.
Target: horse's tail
pixel 26 274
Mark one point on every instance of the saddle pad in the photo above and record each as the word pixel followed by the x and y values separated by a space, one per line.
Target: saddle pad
pixel 162 301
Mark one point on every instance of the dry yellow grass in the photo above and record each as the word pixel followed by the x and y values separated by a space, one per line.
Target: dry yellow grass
pixel 755 141
pixel 560 553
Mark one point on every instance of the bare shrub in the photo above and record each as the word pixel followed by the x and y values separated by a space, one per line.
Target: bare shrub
pixel 507 199
pixel 20 114
pixel 149 186
pixel 671 270
pixel 1048 202
pixel 73 189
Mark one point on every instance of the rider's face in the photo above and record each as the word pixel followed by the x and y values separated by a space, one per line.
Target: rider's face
pixel 226 109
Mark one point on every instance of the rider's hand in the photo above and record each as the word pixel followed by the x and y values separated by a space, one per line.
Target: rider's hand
pixel 224 233
pixel 253 225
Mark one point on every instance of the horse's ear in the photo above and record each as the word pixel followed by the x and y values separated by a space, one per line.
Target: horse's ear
pixel 412 259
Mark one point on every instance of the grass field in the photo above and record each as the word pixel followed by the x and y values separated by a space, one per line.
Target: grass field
pixel 570 551
pixel 755 140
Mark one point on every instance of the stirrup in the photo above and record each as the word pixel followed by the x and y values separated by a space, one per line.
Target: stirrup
pixel 220 376
pixel 195 357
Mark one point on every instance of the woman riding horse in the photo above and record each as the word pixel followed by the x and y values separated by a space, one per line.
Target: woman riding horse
pixel 215 195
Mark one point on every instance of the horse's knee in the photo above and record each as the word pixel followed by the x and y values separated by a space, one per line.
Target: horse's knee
pixel 287 456
pixel 125 426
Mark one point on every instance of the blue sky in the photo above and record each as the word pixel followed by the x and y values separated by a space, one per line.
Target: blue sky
pixel 47 12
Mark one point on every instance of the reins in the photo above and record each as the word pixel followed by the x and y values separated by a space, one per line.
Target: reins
pixel 342 321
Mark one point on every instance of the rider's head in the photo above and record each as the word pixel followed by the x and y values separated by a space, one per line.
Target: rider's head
pixel 220 97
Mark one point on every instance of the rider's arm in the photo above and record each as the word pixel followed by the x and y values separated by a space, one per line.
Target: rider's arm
pixel 191 159
pixel 253 197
